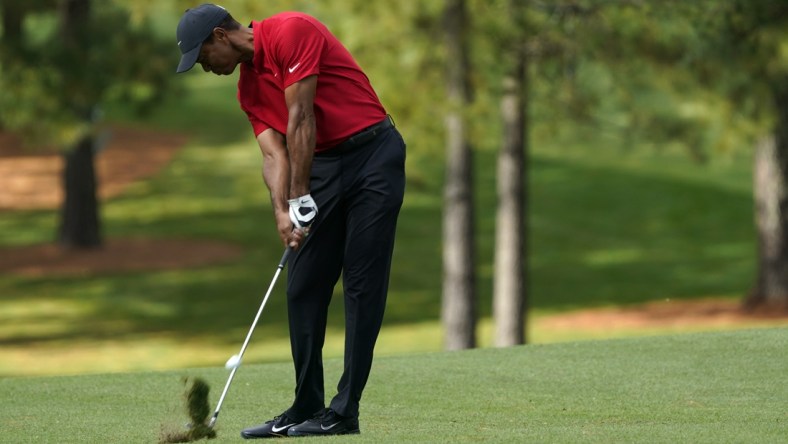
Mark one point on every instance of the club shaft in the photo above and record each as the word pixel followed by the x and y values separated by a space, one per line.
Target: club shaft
pixel 279 268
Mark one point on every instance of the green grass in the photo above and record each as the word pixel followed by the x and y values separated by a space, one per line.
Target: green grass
pixel 700 388
pixel 608 226
pixel 622 228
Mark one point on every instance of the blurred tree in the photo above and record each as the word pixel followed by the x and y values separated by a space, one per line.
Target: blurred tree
pixel 459 265
pixel 709 75
pixel 12 15
pixel 752 36
pixel 526 40
pixel 510 264
pixel 642 55
pixel 79 218
pixel 57 72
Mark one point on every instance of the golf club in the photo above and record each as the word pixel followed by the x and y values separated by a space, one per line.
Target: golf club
pixel 235 361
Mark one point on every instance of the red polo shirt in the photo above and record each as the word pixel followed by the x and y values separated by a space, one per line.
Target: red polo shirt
pixel 289 47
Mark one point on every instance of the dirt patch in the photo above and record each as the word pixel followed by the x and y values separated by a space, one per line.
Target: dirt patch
pixel 31 178
pixel 116 255
pixel 661 314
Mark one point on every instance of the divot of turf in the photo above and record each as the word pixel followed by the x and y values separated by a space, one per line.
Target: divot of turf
pixel 197 407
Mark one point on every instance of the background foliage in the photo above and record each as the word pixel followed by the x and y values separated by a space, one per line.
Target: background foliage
pixel 641 182
pixel 54 89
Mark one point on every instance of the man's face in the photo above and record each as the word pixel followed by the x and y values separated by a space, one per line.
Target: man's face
pixel 218 56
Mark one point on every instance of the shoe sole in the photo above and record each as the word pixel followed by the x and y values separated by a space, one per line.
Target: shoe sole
pixel 349 432
pixel 269 435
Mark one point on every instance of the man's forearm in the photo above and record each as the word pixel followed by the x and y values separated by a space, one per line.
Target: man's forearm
pixel 276 168
pixel 277 179
pixel 300 146
pixel 301 130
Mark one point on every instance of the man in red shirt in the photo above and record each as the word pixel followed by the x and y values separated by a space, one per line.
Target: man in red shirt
pixel 335 168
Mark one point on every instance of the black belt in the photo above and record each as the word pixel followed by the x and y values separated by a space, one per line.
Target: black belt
pixel 360 138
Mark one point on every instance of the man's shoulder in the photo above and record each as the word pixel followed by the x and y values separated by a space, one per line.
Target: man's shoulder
pixel 289 15
pixel 294 20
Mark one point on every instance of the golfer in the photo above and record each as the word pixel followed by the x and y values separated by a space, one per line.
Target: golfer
pixel 335 168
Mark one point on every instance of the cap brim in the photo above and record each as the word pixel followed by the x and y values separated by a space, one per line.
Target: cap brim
pixel 188 59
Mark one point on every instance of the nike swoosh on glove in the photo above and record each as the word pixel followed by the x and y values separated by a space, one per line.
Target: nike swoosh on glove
pixel 303 211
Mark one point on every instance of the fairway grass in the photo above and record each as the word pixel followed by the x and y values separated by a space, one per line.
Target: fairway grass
pixel 700 388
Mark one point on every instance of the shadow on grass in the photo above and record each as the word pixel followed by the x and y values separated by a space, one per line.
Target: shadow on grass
pixel 599 236
pixel 604 236
pixel 215 303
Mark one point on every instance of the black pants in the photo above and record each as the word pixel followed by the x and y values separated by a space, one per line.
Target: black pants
pixel 359 194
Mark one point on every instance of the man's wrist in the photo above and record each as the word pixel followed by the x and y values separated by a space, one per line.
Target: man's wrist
pixel 303 211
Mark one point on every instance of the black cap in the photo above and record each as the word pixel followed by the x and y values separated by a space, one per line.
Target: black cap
pixel 195 26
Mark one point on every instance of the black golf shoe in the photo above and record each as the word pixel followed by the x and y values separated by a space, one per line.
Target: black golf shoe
pixel 327 422
pixel 275 428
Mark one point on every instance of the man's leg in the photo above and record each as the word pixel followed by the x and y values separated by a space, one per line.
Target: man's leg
pixel 374 198
pixel 312 274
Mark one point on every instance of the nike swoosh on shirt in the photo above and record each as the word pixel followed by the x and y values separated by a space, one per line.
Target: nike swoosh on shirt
pixel 329 427
pixel 294 67
pixel 276 429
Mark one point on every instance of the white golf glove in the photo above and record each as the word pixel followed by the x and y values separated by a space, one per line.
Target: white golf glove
pixel 303 211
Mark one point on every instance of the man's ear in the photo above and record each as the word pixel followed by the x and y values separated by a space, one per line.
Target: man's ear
pixel 219 33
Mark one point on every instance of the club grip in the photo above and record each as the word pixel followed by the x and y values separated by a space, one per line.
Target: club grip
pixel 285 256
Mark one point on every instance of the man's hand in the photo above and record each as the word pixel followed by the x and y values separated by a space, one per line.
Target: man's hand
pixel 303 211
pixel 291 237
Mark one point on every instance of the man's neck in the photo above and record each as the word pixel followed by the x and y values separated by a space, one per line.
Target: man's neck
pixel 244 43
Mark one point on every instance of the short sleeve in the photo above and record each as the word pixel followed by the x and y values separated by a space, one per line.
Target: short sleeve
pixel 258 126
pixel 298 48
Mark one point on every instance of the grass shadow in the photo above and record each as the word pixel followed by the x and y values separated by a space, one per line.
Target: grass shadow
pixel 599 235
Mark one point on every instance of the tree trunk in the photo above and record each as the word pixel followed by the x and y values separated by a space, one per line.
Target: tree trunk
pixel 79 219
pixel 459 299
pixel 74 15
pixel 771 213
pixel 79 223
pixel 11 19
pixel 12 14
pixel 509 290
